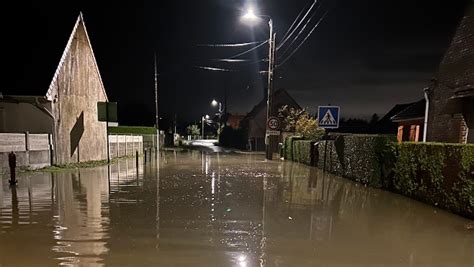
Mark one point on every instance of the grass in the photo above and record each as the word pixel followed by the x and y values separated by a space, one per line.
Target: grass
pixel 132 130
pixel 79 165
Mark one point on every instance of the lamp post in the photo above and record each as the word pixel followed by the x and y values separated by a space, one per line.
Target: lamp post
pixel 203 119
pixel 220 111
pixel 251 16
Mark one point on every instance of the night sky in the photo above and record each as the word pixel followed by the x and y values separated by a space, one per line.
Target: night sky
pixel 366 55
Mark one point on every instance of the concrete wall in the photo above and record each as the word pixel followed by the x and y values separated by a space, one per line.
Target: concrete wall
pixel 23 117
pixel 125 145
pixel 77 88
pixel 31 150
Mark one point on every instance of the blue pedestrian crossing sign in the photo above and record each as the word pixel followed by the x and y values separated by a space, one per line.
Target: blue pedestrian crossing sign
pixel 328 117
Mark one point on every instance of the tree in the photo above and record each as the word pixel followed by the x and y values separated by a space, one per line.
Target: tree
pixel 308 127
pixel 374 119
pixel 289 116
pixel 193 130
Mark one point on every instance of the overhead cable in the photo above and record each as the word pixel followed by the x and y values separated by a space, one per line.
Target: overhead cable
pixel 304 40
pixel 297 26
pixel 231 45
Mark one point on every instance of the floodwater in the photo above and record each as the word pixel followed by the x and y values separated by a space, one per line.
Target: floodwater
pixel 220 210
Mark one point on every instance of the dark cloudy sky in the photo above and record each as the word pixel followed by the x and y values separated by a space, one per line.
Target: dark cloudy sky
pixel 366 56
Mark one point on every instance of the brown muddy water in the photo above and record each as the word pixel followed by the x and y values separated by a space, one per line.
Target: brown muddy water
pixel 220 210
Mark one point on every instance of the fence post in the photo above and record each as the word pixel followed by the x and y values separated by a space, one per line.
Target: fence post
pixel 126 154
pixel 50 145
pixel 27 148
pixel 27 141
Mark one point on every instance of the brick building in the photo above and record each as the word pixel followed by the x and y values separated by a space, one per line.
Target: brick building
pixel 451 93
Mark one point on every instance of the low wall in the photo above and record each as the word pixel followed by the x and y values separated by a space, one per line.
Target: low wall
pixel 438 174
pixel 125 145
pixel 31 150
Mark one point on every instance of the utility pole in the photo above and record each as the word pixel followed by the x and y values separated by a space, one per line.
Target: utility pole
pixel 271 67
pixel 157 118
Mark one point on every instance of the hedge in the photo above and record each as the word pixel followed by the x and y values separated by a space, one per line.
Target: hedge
pixel 302 151
pixel 288 146
pixel 439 174
pixel 132 130
pixel 362 158
pixel 435 173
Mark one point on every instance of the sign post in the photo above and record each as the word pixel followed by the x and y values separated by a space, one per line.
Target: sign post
pixel 107 111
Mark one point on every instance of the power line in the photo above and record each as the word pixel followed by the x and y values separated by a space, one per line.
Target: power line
pixel 294 22
pixel 229 60
pixel 304 40
pixel 249 50
pixel 214 69
pixel 297 26
pixel 297 36
pixel 231 45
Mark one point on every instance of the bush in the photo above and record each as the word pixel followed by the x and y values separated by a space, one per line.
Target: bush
pixel 362 158
pixel 307 127
pixel 440 174
pixel 302 151
pixel 288 146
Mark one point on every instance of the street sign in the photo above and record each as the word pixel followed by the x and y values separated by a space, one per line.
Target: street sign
pixel 107 111
pixel 273 123
pixel 273 132
pixel 328 117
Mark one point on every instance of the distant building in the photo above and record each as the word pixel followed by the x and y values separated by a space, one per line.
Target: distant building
pixel 451 94
pixel 68 110
pixel 234 120
pixel 410 122
pixel 385 125
pixel 255 121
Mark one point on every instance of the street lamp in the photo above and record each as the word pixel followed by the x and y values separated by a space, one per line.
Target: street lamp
pixel 203 119
pixel 220 111
pixel 251 16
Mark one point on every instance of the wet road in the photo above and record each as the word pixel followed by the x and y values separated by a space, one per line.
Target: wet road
pixel 220 210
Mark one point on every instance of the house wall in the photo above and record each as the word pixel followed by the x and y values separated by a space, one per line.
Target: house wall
pixel 456 70
pixel 78 87
pixel 24 117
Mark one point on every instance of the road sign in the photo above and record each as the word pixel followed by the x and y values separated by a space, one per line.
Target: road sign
pixel 273 132
pixel 328 117
pixel 273 123
pixel 107 111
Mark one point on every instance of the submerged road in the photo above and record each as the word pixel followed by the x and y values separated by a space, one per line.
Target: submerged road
pixel 198 209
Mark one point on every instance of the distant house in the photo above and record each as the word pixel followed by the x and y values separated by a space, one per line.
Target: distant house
pixel 234 120
pixel 410 122
pixel 451 94
pixel 385 125
pixel 68 110
pixel 255 121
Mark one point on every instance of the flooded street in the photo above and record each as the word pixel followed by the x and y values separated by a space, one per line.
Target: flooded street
pixel 220 210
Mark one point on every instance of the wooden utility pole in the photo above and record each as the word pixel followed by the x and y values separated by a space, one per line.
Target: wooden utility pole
pixel 157 118
pixel 271 66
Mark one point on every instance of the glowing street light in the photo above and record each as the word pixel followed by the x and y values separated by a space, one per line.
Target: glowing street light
pixel 204 119
pixel 250 15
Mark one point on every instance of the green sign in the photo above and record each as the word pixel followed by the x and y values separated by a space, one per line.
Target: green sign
pixel 107 111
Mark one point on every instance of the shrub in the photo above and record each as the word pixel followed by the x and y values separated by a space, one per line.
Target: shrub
pixel 289 146
pixel 440 174
pixel 302 151
pixel 307 127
